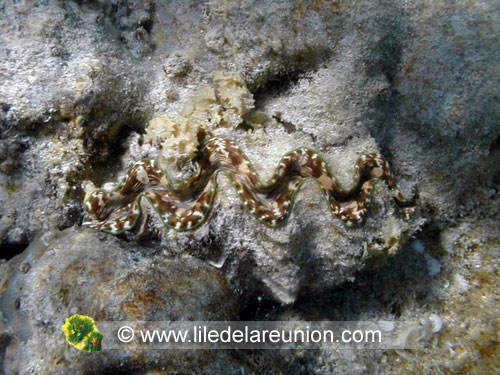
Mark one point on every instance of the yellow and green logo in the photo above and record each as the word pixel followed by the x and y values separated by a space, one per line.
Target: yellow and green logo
pixel 81 332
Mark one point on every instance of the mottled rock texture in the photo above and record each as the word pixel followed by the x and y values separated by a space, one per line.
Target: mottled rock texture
pixel 84 272
pixel 80 82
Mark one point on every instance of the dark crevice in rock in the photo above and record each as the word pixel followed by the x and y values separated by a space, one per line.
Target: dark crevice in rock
pixel 384 59
pixel 71 215
pixel 386 54
pixel 494 154
pixel 253 303
pixel 300 65
pixel 277 85
pixel 495 148
pixel 107 154
pixel 388 289
pixel 259 308
pixel 9 250
pixel 302 243
pixel 5 340
pixel 147 25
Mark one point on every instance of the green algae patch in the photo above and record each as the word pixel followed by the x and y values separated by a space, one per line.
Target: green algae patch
pixel 81 332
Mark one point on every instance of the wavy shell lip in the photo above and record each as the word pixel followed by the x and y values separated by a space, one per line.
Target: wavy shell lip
pixel 187 206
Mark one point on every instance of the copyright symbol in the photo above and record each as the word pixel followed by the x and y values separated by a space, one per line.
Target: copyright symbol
pixel 125 334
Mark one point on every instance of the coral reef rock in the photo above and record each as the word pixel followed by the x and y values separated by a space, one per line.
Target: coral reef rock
pixel 84 272
pixel 89 88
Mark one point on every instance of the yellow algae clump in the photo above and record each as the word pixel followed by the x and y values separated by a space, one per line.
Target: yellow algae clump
pixel 177 139
pixel 225 103
pixel 234 97
pixel 203 108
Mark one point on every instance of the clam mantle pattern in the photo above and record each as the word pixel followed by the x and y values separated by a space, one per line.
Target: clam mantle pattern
pixel 187 206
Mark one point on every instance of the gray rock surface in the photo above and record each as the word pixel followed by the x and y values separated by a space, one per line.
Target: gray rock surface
pixel 83 272
pixel 79 83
